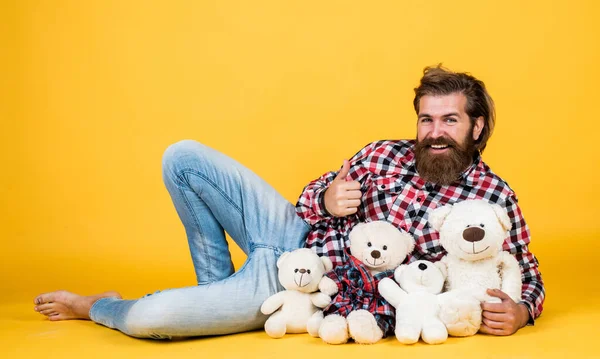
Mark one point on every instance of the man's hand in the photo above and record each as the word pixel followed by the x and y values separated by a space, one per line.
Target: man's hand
pixel 342 197
pixel 503 318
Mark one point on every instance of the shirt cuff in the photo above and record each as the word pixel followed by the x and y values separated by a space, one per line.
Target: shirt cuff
pixel 319 203
pixel 529 306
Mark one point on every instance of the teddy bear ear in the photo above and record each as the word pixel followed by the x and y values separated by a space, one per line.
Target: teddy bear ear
pixel 442 267
pixel 502 217
pixel 327 263
pixel 438 216
pixel 281 258
pixel 398 271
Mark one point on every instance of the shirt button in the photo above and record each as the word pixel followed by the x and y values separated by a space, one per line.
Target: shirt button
pixel 419 199
pixel 382 186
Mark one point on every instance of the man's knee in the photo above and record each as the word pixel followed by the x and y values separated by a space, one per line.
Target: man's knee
pixel 184 155
pixel 148 321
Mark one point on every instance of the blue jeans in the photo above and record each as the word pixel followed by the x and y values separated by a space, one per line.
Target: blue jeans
pixel 213 193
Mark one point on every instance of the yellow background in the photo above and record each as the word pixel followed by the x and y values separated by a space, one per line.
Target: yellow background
pixel 92 92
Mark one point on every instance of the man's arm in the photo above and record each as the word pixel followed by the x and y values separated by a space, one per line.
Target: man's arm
pixel 507 317
pixel 314 206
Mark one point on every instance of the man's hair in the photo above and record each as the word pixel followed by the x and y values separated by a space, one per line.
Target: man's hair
pixel 439 81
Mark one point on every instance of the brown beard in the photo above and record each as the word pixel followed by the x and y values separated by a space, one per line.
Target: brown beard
pixel 444 168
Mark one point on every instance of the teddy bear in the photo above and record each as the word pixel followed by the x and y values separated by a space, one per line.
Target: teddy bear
pixel 472 232
pixel 417 301
pixel 358 311
pixel 299 272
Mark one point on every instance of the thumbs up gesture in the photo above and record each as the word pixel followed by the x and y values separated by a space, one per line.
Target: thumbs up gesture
pixel 342 197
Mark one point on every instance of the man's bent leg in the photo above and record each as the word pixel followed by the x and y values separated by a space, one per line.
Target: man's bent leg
pixel 231 305
pixel 212 193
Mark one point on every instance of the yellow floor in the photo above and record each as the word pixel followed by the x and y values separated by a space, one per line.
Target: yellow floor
pixel 567 328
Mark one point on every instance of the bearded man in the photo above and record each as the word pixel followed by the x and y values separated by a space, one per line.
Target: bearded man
pixel 396 181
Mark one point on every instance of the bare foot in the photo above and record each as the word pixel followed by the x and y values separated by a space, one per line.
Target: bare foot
pixel 63 305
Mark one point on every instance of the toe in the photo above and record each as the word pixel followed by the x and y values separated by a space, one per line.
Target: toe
pixel 44 298
pixel 43 307
pixel 58 316
pixel 47 312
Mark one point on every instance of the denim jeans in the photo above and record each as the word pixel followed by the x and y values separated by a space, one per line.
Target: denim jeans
pixel 213 193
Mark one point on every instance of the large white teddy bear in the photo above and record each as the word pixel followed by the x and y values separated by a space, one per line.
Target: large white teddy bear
pixel 300 272
pixel 358 310
pixel 417 301
pixel 472 232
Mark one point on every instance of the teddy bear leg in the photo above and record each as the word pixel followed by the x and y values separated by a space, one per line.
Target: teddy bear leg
pixel 434 331
pixel 334 329
pixel 314 323
pixel 363 327
pixel 407 332
pixel 275 326
pixel 462 317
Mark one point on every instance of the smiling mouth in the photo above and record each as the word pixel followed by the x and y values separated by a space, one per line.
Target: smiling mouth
pixel 474 251
pixel 299 284
pixel 374 262
pixel 439 147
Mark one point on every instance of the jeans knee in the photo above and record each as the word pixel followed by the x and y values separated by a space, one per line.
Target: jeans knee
pixel 147 322
pixel 182 155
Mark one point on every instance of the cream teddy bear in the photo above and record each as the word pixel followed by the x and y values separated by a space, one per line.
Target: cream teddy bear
pixel 472 232
pixel 358 310
pixel 417 301
pixel 300 272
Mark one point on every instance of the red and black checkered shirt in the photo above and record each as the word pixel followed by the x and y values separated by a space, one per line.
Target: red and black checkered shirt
pixel 393 191
pixel 357 289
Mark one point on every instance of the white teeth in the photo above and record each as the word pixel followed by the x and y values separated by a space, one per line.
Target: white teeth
pixel 439 147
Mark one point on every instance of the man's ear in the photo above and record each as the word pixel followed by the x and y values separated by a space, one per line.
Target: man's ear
pixel 438 216
pixel 281 258
pixel 502 217
pixel 327 263
pixel 478 127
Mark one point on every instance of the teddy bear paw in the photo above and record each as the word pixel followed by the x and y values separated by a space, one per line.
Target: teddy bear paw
pixel 461 317
pixel 363 327
pixel 334 329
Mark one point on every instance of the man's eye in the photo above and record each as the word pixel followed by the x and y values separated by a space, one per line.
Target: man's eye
pixel 451 120
pixel 423 120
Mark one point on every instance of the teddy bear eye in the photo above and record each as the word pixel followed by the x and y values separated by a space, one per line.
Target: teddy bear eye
pixel 482 225
pixel 384 248
pixel 369 244
pixel 468 225
pixel 308 271
pixel 296 270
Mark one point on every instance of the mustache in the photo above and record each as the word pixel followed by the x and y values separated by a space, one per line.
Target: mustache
pixel 439 141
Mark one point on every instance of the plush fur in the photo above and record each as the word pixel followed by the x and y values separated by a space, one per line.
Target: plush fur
pixel 417 301
pixel 380 246
pixel 473 232
pixel 299 273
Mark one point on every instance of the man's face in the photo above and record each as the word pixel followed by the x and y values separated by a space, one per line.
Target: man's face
pixel 445 137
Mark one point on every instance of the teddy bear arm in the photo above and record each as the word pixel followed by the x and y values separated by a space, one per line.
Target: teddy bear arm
pixel 328 286
pixel 391 292
pixel 272 303
pixel 510 272
pixel 320 300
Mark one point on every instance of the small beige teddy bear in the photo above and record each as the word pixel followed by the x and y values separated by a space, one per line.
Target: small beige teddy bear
pixel 300 272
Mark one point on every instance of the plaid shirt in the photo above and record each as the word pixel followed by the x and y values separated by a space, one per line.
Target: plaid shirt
pixel 357 289
pixel 393 191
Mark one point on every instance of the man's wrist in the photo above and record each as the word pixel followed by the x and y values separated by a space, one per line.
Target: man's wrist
pixel 524 314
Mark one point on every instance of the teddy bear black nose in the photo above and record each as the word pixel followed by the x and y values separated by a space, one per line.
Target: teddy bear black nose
pixel 473 234
pixel 375 254
pixel 302 270
pixel 422 266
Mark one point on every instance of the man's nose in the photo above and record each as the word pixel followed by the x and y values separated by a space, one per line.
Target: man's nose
pixel 437 129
